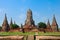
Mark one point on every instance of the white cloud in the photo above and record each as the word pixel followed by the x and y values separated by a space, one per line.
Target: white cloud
pixel 35 13
pixel 22 16
pixel 22 9
pixel 22 13
pixel 38 17
pixel 2 11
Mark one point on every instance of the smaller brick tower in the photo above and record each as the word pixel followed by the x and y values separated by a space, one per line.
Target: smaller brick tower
pixel 5 25
pixel 48 26
pixel 54 25
pixel 11 23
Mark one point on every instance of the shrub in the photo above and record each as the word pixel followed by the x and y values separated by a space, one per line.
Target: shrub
pixel 41 25
pixel 14 26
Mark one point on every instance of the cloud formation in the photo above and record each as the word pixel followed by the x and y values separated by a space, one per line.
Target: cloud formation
pixel 22 15
pixel 2 11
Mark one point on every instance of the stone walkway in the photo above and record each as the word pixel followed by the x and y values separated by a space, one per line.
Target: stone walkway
pixel 30 37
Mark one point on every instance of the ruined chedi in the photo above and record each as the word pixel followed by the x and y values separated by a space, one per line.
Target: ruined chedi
pixel 48 26
pixel 11 23
pixel 54 25
pixel 5 25
pixel 29 22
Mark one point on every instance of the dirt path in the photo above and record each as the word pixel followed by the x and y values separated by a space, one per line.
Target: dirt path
pixel 11 37
pixel 28 38
pixel 46 37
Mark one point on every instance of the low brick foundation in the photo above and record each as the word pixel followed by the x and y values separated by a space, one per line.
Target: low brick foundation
pixel 12 38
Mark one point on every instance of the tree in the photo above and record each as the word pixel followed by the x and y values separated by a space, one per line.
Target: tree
pixel 0 28
pixel 41 25
pixel 14 26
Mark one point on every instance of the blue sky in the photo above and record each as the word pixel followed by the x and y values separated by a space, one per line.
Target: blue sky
pixel 42 10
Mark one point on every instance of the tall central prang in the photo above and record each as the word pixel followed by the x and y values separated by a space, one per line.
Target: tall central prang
pixel 29 21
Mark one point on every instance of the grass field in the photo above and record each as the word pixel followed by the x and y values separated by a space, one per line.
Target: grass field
pixel 30 33
pixel 15 33
pixel 49 34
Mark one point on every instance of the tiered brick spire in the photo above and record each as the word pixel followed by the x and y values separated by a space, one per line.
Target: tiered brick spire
pixel 54 24
pixel 29 23
pixel 11 23
pixel 5 25
pixel 29 20
pixel 14 22
pixel 48 24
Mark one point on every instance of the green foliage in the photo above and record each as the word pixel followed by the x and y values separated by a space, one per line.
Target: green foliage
pixel 15 33
pixel 49 34
pixel 42 25
pixel 29 33
pixel 0 27
pixel 13 26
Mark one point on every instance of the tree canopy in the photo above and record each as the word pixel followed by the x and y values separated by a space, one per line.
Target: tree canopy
pixel 13 26
pixel 0 27
pixel 41 25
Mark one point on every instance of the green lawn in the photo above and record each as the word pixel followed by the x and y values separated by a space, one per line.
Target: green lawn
pixel 30 33
pixel 15 33
pixel 49 34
